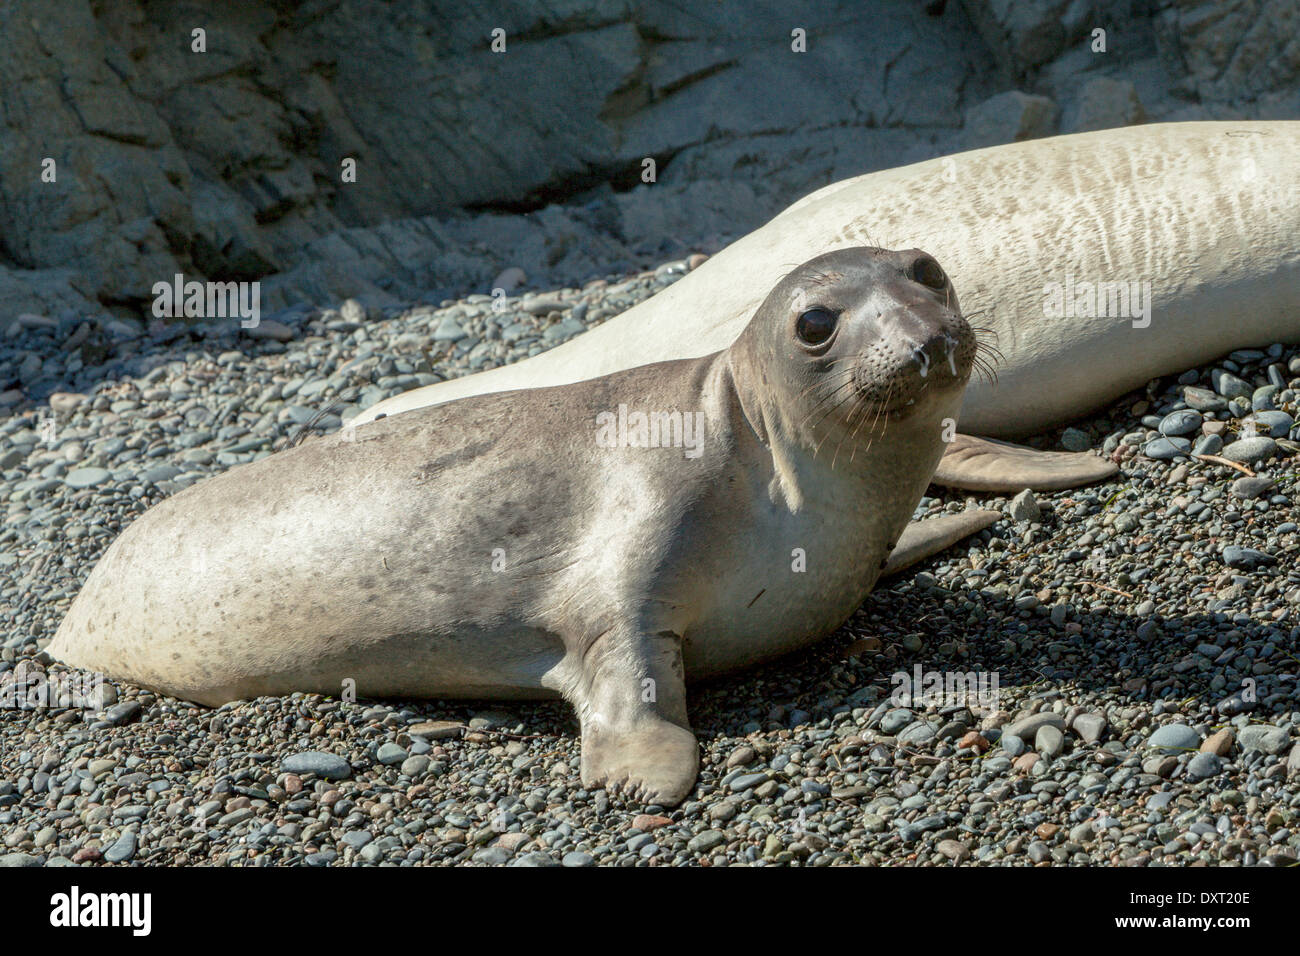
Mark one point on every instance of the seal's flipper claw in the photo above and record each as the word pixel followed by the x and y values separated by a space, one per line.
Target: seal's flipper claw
pixel 983 464
pixel 923 538
pixel 632 704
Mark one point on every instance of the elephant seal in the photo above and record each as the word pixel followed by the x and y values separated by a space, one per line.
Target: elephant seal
pixel 1202 217
pixel 549 541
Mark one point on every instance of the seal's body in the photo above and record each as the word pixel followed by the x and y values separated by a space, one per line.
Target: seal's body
pixel 528 544
pixel 1199 221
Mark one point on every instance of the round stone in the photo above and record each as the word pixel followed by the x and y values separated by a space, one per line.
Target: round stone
pixel 87 477
pixel 1164 448
pixel 326 765
pixel 1174 738
pixel 1250 450
pixel 1246 559
pixel 1182 422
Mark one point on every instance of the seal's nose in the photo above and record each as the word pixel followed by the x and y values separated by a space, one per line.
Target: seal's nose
pixel 940 349
pixel 928 340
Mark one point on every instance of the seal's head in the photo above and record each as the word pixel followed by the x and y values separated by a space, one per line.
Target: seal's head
pixel 856 341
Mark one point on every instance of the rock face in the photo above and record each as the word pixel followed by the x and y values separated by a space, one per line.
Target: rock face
pixel 144 140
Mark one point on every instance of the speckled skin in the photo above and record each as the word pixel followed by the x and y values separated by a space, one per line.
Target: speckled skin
pixel 620 570
pixel 1208 213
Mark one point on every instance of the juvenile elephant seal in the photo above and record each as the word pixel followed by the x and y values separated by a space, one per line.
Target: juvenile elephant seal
pixel 599 540
pixel 1199 219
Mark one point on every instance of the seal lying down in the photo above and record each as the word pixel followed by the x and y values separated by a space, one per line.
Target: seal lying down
pixel 601 540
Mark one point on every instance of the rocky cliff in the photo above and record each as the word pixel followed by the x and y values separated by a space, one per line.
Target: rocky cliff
pixel 141 139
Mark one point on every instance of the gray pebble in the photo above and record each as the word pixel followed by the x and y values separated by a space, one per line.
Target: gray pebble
pixel 1250 450
pixel 123 849
pixel 1174 738
pixel 326 765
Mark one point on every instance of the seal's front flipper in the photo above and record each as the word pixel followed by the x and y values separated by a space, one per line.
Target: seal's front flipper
pixel 983 464
pixel 636 739
pixel 920 539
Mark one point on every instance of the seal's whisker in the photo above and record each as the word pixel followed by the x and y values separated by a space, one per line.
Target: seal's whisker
pixel 852 396
pixel 848 421
pixel 989 355
pixel 297 438
pixel 985 371
pixel 830 394
pixel 985 362
pixel 865 408
pixel 818 447
pixel 819 383
pixel 847 380
pixel 851 436
pixel 889 391
pixel 981 329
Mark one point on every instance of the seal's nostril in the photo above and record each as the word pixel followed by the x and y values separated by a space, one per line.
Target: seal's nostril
pixel 922 359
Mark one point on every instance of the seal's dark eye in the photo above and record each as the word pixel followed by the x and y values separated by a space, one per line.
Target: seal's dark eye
pixel 815 326
pixel 927 272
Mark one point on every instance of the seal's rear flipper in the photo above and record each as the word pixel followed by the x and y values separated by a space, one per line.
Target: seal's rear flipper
pixel 923 538
pixel 983 464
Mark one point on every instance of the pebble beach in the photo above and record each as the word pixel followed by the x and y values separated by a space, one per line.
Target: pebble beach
pixel 1144 634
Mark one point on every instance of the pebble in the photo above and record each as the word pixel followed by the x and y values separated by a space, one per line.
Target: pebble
pixel 1203 766
pixel 123 849
pixel 436 729
pixel 1084 832
pixel 1246 559
pixel 122 713
pixel 895 720
pixel 917 733
pixel 1049 741
pixel 1179 423
pixel 1166 448
pixel 1076 440
pixel 1274 424
pixel 325 765
pixel 1219 743
pixel 954 850
pixel 806 761
pixel 1250 450
pixel 747 781
pixel 1270 740
pixel 1175 738
pixel 1027 727
pixel 1090 727
pixel 706 841
pixel 648 821
pixel 87 477
pixel 1229 385
pixel 1208 445
pixel 1203 400
pixel 1251 488
pixel 1024 508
